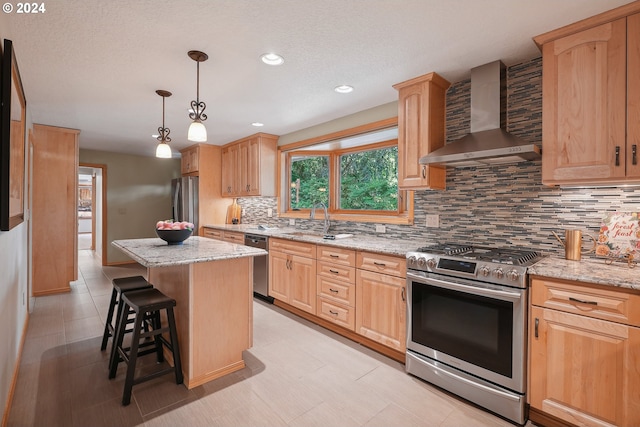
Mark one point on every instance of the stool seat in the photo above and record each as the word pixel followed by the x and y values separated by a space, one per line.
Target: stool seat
pixel 147 304
pixel 120 286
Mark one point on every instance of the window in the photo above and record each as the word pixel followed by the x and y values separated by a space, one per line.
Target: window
pixel 354 175
pixel 309 181
pixel 369 180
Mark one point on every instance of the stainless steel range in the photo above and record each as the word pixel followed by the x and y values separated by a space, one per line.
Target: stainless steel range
pixel 467 323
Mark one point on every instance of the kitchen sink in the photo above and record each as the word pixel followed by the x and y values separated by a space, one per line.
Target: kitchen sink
pixel 320 236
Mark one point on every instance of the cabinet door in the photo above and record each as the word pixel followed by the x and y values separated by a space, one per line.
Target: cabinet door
pixel 302 282
pixel 381 308
pixel 190 161
pixel 633 96
pixel 243 168
pixel 421 121
pixel 279 275
pixel 229 171
pixel 253 167
pixel 584 370
pixel 584 106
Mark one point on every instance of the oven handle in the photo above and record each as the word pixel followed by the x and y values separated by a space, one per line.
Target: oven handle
pixel 477 385
pixel 464 288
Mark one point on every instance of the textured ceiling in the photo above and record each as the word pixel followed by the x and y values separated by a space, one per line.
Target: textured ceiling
pixel 95 65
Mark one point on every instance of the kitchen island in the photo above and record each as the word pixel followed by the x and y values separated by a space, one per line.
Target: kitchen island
pixel 212 283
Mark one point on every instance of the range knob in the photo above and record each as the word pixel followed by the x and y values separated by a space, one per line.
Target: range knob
pixel 499 273
pixel 422 262
pixel 484 270
pixel 513 275
pixel 431 263
pixel 412 259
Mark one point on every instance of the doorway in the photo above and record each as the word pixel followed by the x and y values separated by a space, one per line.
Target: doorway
pixel 92 208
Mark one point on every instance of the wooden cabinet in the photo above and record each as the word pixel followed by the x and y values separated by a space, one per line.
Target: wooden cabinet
pixel 591 100
pixel 381 299
pixel 336 278
pixel 292 273
pixel 204 161
pixel 249 166
pixel 54 213
pixel 226 235
pixel 421 130
pixel 189 160
pixel 584 357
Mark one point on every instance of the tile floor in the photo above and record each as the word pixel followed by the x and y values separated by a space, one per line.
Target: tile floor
pixel 297 374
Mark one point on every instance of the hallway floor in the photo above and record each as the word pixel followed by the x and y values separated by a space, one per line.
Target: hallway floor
pixel 297 374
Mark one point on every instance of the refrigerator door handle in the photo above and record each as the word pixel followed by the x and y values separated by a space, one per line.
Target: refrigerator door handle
pixel 175 201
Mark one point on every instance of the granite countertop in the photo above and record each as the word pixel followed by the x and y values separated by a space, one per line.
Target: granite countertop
pixel 589 270
pixel 155 252
pixel 381 245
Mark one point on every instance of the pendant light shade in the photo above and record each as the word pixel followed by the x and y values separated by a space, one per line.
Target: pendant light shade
pixel 197 131
pixel 163 150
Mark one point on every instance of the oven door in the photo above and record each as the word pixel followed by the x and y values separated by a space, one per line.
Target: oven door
pixel 473 326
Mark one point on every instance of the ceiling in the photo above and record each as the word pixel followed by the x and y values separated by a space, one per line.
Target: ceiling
pixel 95 65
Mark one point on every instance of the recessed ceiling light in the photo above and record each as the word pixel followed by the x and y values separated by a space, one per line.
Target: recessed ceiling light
pixel 156 136
pixel 257 124
pixel 343 89
pixel 272 59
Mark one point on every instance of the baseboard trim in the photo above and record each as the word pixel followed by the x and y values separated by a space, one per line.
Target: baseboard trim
pixel 16 371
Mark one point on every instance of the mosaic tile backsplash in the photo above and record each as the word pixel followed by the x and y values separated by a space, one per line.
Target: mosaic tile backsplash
pixel 499 205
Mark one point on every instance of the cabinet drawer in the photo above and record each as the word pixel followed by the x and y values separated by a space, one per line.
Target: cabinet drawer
pixel 212 233
pixel 386 264
pixel 292 247
pixel 337 313
pixel 340 292
pixel 337 255
pixel 233 237
pixel 586 300
pixel 336 272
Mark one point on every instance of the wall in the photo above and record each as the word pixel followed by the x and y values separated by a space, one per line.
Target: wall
pixel 13 280
pixel 138 195
pixel 492 205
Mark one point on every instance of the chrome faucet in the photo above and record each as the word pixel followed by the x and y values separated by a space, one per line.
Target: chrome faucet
pixel 312 215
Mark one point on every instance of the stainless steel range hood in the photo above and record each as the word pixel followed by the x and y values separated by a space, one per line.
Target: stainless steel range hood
pixel 488 143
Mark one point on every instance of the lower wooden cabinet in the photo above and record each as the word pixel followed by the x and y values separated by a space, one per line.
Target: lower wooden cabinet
pixel 292 276
pixel 584 367
pixel 381 308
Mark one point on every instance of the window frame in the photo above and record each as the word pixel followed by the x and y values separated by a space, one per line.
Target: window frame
pixel 405 213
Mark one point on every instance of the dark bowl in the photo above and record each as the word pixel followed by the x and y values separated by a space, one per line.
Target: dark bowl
pixel 174 237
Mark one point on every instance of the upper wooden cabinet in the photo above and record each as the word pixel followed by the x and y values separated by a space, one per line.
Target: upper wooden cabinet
pixel 421 130
pixel 190 160
pixel 249 166
pixel 591 100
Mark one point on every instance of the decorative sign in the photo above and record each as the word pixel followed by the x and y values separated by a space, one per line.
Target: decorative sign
pixel 619 235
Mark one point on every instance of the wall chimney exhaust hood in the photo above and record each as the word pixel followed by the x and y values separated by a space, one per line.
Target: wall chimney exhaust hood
pixel 488 143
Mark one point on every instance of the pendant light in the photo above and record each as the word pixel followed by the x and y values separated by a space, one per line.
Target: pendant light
pixel 163 150
pixel 197 131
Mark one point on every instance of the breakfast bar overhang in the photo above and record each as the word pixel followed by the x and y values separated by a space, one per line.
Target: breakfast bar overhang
pixel 212 283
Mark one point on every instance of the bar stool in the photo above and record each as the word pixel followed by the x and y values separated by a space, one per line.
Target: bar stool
pixel 147 305
pixel 120 286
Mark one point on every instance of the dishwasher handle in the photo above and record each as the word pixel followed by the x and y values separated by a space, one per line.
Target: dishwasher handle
pixel 255 241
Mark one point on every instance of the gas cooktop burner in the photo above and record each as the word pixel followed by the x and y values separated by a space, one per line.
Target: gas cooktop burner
pixel 513 256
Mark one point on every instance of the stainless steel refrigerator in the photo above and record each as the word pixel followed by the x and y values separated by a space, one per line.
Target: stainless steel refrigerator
pixel 184 199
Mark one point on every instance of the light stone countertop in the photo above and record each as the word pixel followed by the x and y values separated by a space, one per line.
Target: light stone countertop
pixel 155 252
pixel 381 245
pixel 597 271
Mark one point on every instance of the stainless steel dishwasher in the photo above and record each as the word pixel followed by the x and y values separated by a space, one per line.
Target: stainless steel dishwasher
pixel 260 266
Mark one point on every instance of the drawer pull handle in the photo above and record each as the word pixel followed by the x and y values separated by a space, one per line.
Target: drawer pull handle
pixel 379 264
pixel 583 301
pixel 634 154
pixel 334 271
pixel 424 171
pixel 335 313
pixel 617 155
pixel 334 256
pixel 403 294
pixel 333 290
pixel 537 323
